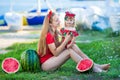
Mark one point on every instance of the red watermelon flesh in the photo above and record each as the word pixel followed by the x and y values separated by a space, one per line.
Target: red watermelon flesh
pixel 10 65
pixel 84 65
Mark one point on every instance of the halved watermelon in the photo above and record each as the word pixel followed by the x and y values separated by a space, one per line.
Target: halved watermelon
pixel 10 65
pixel 84 65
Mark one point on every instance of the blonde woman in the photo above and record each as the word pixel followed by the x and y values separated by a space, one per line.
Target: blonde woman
pixel 53 53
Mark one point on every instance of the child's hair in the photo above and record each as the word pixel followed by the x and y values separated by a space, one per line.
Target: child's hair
pixel 45 29
pixel 69 15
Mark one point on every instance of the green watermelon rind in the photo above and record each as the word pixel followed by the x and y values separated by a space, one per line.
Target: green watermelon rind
pixel 13 59
pixel 85 69
pixel 30 61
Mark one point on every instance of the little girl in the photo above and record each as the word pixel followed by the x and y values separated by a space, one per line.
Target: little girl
pixel 70 29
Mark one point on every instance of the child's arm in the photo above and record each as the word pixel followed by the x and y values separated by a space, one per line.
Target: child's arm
pixel 72 42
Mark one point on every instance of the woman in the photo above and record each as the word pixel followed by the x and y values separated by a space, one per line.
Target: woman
pixel 53 53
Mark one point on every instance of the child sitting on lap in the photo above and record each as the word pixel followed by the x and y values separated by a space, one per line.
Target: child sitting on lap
pixel 69 28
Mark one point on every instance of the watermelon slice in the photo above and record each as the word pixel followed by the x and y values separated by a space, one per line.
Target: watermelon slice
pixel 84 65
pixel 10 65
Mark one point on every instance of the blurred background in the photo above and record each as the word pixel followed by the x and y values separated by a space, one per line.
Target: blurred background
pixel 90 14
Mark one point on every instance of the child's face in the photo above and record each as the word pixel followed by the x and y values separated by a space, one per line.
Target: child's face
pixel 69 22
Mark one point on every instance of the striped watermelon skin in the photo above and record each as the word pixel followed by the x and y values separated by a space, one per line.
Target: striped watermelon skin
pixel 30 61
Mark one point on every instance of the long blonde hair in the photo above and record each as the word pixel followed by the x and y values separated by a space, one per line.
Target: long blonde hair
pixel 45 29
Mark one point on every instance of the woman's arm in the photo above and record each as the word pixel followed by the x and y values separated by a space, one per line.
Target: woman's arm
pixel 57 50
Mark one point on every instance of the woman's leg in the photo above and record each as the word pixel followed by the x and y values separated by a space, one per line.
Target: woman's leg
pixel 78 51
pixel 95 67
pixel 55 62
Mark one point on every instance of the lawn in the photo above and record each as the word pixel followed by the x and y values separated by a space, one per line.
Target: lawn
pixel 102 47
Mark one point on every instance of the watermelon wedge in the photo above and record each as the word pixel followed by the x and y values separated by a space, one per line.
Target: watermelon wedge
pixel 84 65
pixel 10 65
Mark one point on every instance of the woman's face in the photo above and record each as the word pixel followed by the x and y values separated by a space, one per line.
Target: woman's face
pixel 69 22
pixel 55 21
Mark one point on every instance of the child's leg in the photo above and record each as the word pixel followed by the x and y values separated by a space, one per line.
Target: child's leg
pixel 78 51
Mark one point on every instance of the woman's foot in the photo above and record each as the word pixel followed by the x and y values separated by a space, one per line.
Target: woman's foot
pixel 98 70
pixel 104 66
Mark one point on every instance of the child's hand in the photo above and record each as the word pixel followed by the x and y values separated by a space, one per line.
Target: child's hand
pixel 69 45
pixel 68 38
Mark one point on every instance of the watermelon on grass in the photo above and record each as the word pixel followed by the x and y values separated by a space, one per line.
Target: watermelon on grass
pixel 84 65
pixel 10 65
pixel 30 61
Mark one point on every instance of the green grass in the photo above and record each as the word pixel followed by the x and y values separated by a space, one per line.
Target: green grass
pixel 102 48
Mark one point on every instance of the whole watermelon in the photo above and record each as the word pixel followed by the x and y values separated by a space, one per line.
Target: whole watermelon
pixel 30 61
